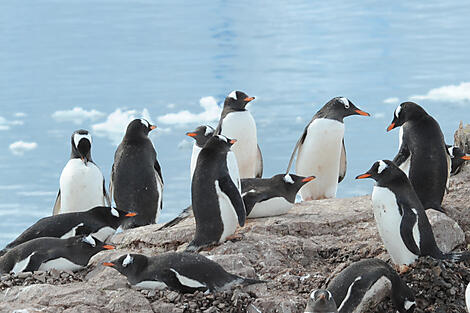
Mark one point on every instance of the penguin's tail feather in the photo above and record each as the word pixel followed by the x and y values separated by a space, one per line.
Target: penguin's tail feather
pixel 182 216
pixel 457 256
pixel 252 281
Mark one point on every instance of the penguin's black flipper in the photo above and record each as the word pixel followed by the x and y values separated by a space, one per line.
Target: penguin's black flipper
pixel 35 262
pixel 297 145
pixel 342 164
pixel 402 155
pixel 106 195
pixel 228 187
pixel 158 169
pixel 182 216
pixel 259 164
pixel 408 221
pixel 56 209
pixel 250 198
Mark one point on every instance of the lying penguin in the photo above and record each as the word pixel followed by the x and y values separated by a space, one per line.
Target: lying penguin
pixel 458 158
pixel 100 222
pixel 271 196
pixel 401 220
pixel 42 254
pixel 184 272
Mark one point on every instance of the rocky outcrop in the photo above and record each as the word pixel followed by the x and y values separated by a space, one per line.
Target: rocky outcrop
pixel 295 253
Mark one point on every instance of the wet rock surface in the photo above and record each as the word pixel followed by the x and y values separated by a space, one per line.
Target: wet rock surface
pixel 295 253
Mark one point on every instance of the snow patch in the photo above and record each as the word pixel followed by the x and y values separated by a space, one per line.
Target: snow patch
pixel 77 115
pixel 450 93
pixel 211 113
pixel 20 147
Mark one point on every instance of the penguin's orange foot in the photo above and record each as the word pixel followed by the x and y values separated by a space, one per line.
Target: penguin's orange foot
pixel 234 237
pixel 402 269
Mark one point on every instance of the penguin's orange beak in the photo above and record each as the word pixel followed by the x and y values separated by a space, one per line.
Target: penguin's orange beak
pixel 109 247
pixel 322 297
pixel 390 127
pixel 360 112
pixel 152 127
pixel 248 99
pixel 108 264
pixel 307 179
pixel 190 134
pixel 130 214
pixel 362 176
pixel 466 157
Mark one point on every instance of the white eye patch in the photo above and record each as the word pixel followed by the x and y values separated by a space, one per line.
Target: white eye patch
pixel 146 124
pixel 329 295
pixel 451 151
pixel 397 111
pixel 345 102
pixel 288 179
pixel 128 260
pixel 209 131
pixel 78 137
pixel 312 295
pixel 89 240
pixel 114 212
pixel 382 166
pixel 233 95
pixel 221 137
pixel 408 304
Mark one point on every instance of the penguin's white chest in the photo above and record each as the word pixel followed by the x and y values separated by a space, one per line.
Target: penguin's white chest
pixel 194 156
pixel 319 155
pixel 60 264
pixel 81 187
pixel 405 166
pixel 228 214
pixel 242 127
pixel 388 219
pixel 271 207
pixel 233 170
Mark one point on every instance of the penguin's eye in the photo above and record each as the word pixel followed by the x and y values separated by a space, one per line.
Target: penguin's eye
pixel 345 102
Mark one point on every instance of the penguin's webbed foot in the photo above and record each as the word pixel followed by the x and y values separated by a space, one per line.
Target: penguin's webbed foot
pixel 234 237
pixel 402 269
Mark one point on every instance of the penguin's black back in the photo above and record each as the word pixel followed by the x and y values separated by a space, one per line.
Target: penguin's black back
pixel 428 167
pixel 134 180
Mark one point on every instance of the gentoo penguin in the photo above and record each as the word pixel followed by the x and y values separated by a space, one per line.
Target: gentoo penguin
pixel 356 283
pixel 184 272
pixel 136 177
pixel 321 301
pixel 401 220
pixel 422 154
pixel 322 151
pixel 237 122
pixel 71 254
pixel 458 157
pixel 271 196
pixel 216 201
pixel 82 184
pixel 201 135
pixel 100 222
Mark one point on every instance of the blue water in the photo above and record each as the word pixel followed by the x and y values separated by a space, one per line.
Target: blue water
pixel 165 56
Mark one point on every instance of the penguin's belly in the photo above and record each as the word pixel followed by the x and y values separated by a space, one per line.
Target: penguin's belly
pixel 388 220
pixel 228 214
pixel 271 207
pixel 241 126
pixel 194 156
pixel 233 171
pixel 151 284
pixel 81 187
pixel 320 156
pixel 405 166
pixel 60 264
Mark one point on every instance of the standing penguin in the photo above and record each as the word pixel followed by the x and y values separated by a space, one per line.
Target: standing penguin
pixel 136 177
pixel 100 222
pixel 216 201
pixel 350 287
pixel 458 157
pixel 184 272
pixel 422 154
pixel 401 220
pixel 82 184
pixel 237 122
pixel 321 301
pixel 71 254
pixel 271 196
pixel 322 151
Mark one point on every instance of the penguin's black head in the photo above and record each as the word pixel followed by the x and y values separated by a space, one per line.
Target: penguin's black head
pixel 88 245
pixel 293 181
pixel 111 216
pixel 202 134
pixel 237 100
pixel 338 108
pixel 458 157
pixel 321 301
pixel 383 172
pixel 220 143
pixel 129 264
pixel 406 111
pixel 81 145
pixel 139 128
pixel 403 299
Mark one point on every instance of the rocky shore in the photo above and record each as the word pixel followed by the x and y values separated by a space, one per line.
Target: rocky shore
pixel 295 253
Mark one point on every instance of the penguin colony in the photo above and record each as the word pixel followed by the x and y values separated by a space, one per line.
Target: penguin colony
pixel 227 188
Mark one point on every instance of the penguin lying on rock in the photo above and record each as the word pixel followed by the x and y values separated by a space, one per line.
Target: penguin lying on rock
pixel 401 220
pixel 184 272
pixel 458 157
pixel 71 254
pixel 100 222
